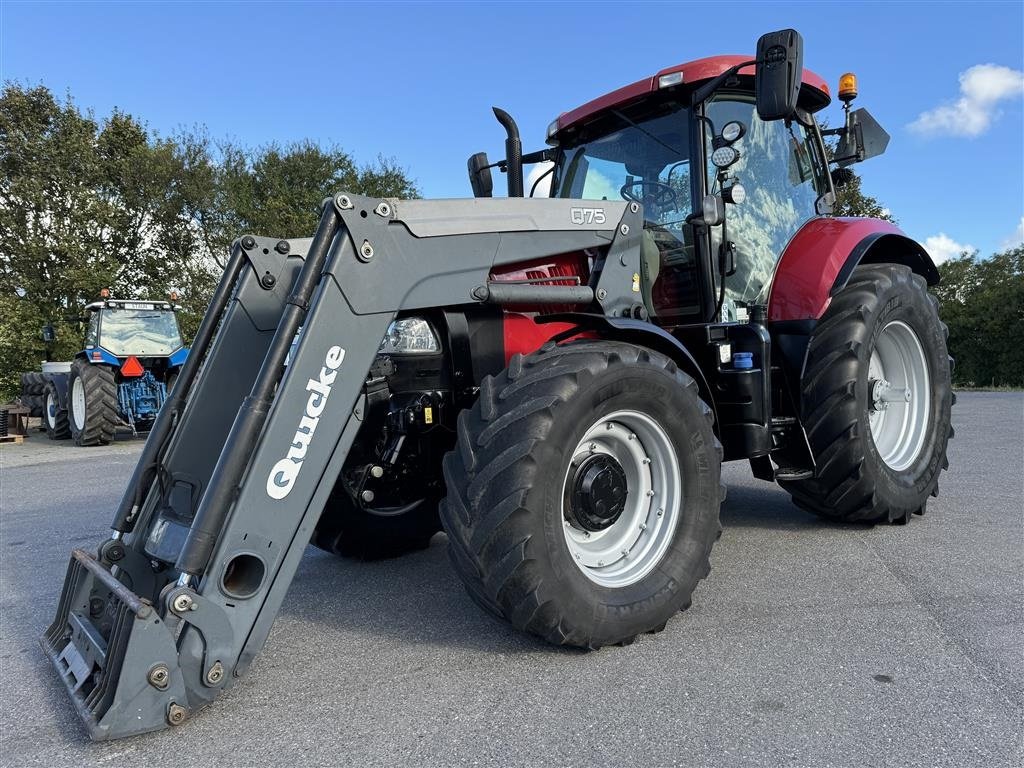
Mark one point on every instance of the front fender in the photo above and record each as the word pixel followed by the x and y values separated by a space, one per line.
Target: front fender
pixel 820 258
pixel 641 333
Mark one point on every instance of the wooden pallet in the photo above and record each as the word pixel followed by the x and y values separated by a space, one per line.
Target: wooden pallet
pixel 13 439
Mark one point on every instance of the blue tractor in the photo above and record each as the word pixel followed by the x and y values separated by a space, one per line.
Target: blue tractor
pixel 133 352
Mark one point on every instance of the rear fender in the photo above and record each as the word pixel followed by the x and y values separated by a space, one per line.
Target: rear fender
pixel 821 257
pixel 99 355
pixel 60 384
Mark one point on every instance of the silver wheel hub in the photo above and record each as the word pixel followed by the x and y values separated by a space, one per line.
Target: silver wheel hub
pixel 621 498
pixel 78 403
pixel 899 402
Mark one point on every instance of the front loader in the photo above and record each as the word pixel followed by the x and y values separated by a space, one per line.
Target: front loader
pixel 556 382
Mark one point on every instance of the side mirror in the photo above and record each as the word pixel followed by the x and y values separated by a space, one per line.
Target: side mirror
pixel 480 175
pixel 779 70
pixel 49 335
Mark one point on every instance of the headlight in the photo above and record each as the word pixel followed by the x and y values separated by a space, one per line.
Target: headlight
pixel 409 335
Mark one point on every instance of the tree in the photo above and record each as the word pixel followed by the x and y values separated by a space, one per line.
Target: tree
pixel 84 205
pixel 87 204
pixel 982 302
pixel 851 201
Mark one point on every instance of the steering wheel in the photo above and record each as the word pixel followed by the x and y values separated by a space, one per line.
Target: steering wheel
pixel 663 195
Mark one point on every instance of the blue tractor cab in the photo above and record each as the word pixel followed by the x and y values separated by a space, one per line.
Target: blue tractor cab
pixel 133 352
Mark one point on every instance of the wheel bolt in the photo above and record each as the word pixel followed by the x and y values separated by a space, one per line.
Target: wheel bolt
pixel 661 512
pixel 650 494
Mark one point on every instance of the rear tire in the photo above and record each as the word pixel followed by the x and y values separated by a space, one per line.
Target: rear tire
pixel 55 419
pixel 349 531
pixel 92 403
pixel 34 403
pixel 878 457
pixel 529 481
pixel 33 383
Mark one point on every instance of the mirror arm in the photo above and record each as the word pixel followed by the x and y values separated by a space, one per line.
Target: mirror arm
pixel 540 156
pixel 702 93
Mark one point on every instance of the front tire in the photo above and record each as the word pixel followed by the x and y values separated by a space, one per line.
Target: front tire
pixel 876 398
pixel 570 450
pixel 92 401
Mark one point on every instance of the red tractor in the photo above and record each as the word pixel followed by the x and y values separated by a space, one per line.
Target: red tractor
pixel 555 382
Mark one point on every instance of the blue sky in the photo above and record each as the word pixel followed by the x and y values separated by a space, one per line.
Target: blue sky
pixel 416 80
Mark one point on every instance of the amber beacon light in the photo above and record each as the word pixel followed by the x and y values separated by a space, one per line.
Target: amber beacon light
pixel 848 87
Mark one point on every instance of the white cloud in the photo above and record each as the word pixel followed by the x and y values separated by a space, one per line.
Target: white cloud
pixel 1017 238
pixel 982 87
pixel 942 247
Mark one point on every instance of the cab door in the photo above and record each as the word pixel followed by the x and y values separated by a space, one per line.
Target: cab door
pixel 782 172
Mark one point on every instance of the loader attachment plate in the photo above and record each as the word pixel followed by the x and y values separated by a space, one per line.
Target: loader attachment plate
pixel 105 643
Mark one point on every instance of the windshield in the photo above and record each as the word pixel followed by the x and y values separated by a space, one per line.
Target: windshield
pixel 138 332
pixel 646 160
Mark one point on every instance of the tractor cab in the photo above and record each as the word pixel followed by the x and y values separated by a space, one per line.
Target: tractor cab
pixel 653 143
pixel 727 161
pixel 133 328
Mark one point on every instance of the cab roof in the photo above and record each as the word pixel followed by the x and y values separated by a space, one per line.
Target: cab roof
pixel 814 93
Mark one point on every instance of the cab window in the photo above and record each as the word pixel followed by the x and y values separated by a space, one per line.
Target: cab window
pixel 92 332
pixel 781 172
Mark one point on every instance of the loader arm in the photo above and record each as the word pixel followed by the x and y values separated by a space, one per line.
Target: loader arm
pixel 240 463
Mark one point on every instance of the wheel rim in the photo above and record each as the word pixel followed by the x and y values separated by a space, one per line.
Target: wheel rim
pixel 78 403
pixel 899 404
pixel 51 410
pixel 635 537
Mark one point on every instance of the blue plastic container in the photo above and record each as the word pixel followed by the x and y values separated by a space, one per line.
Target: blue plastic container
pixel 743 360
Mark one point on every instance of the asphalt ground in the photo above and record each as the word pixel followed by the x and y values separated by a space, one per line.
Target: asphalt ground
pixel 809 644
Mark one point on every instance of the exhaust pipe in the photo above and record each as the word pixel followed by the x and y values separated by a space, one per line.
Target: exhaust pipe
pixel 513 152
